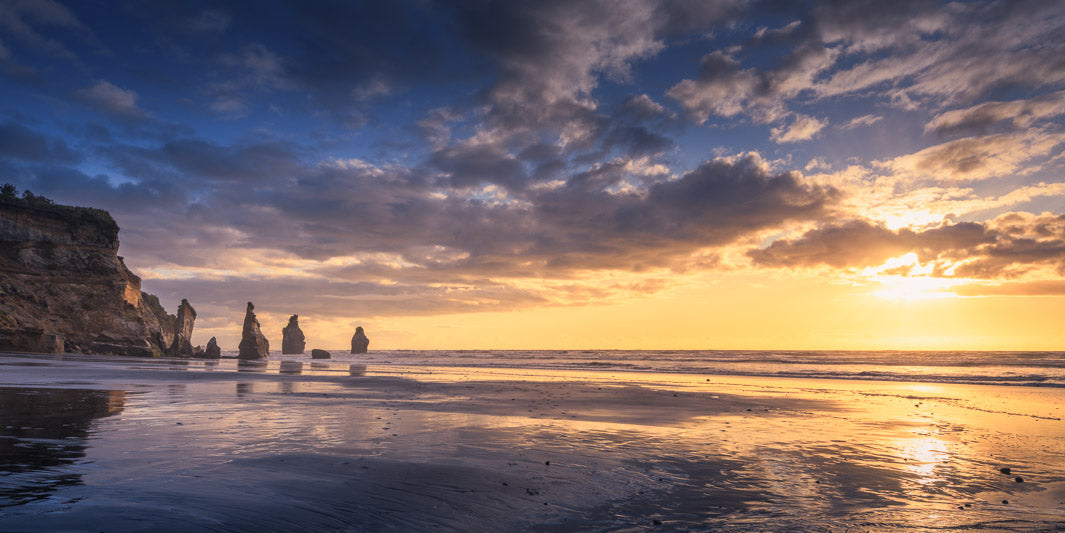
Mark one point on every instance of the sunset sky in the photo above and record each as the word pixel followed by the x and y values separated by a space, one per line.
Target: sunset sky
pixel 572 174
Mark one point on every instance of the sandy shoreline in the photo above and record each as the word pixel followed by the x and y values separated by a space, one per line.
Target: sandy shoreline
pixel 159 445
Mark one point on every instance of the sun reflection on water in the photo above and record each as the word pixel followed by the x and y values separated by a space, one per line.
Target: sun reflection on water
pixel 922 456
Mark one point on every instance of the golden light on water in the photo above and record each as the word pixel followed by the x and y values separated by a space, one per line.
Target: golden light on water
pixel 922 455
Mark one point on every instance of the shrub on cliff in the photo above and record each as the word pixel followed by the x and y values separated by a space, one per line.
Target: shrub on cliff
pixel 76 215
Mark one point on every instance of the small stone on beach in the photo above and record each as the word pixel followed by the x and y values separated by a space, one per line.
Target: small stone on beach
pixel 1019 479
pixel 1005 502
pixel 1004 470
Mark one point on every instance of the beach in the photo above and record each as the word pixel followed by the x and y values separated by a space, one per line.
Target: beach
pixel 120 444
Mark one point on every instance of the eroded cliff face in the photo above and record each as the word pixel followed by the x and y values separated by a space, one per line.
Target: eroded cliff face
pixel 63 286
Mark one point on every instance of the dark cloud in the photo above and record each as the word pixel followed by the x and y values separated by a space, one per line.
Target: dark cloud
pixel 1016 288
pixel 472 164
pixel 19 142
pixel 335 298
pixel 909 54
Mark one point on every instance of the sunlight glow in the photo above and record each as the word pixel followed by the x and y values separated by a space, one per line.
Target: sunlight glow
pixel 905 278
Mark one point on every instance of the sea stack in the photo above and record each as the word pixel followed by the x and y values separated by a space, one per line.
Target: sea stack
pixel 186 317
pixel 359 342
pixel 292 339
pixel 253 345
pixel 212 351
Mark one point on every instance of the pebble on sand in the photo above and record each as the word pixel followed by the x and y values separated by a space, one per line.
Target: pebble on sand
pixel 1004 470
pixel 1019 479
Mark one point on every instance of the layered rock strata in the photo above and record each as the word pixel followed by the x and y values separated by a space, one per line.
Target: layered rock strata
pixel 63 286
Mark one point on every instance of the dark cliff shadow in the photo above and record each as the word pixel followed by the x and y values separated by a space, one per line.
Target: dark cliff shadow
pixel 43 436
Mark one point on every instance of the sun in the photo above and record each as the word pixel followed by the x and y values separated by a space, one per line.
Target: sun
pixel 904 278
pixel 914 288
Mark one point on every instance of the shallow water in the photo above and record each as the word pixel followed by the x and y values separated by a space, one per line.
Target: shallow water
pixel 995 368
pixel 130 445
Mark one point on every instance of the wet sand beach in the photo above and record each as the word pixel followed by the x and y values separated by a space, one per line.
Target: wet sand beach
pixel 110 444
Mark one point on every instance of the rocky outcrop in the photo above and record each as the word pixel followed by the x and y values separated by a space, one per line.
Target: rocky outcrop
pixel 186 317
pixel 292 339
pixel 320 354
pixel 253 344
pixel 63 286
pixel 359 341
pixel 212 351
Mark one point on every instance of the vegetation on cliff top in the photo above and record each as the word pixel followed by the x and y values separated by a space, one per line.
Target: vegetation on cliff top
pixel 75 215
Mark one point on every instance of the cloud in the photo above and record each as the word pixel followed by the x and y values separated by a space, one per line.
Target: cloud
pixel 977 158
pixel 862 121
pixel 723 88
pixel 1008 246
pixel 476 162
pixel 210 21
pixel 861 243
pixel 642 107
pixel 802 128
pixel 115 101
pixel 1012 288
pixel 19 142
pixel 1017 114
pixel 18 17
pixel 916 54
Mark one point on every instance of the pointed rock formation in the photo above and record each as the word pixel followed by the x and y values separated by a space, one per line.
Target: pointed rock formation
pixel 292 339
pixel 186 316
pixel 212 351
pixel 359 341
pixel 320 354
pixel 253 345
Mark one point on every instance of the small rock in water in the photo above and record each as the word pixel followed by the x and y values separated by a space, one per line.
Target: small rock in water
pixel 548 463
pixel 656 522
pixel 1005 470
pixel 1019 479
pixel 320 354
pixel 1005 502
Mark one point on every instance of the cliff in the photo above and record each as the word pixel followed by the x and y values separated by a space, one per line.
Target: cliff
pixel 63 286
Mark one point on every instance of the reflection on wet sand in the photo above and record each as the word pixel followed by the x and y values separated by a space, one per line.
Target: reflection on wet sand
pixel 500 449
pixel 43 435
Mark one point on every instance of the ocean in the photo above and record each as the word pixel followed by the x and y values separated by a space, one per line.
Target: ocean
pixel 1022 368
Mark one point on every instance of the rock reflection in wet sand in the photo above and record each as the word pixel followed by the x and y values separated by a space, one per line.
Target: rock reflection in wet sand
pixel 43 437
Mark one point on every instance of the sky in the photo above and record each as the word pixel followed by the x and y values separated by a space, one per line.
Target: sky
pixel 730 174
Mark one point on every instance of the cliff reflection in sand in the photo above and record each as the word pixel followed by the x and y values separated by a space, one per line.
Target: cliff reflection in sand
pixel 43 435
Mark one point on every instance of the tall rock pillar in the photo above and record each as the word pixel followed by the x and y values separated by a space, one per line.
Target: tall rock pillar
pixel 253 344
pixel 292 339
pixel 359 341
pixel 186 317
